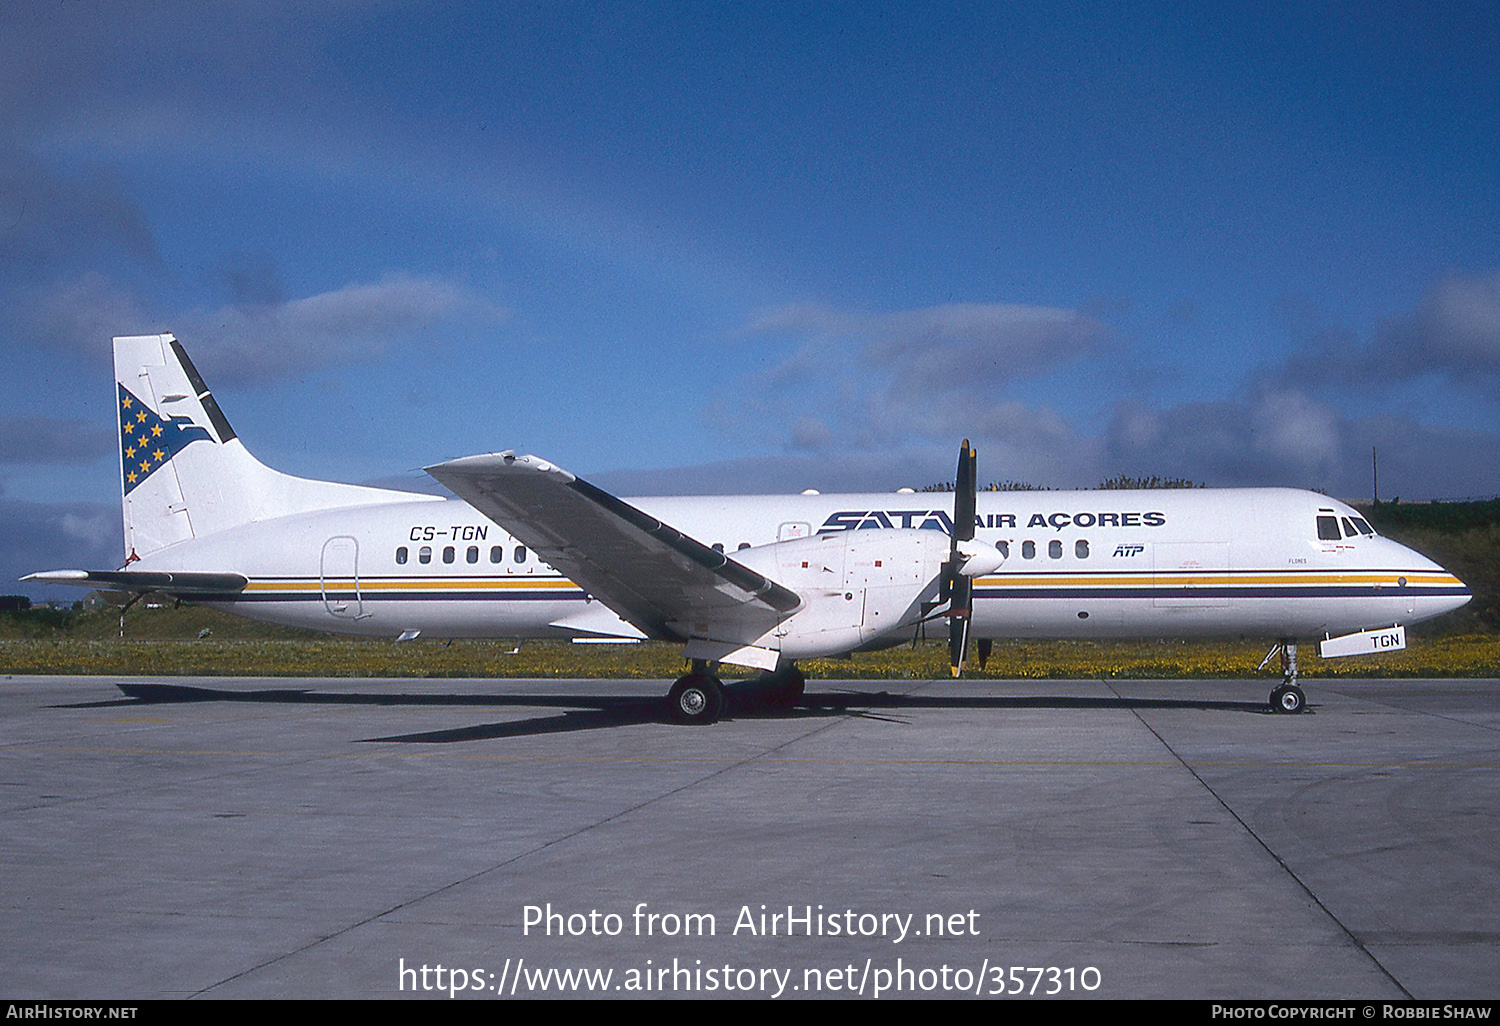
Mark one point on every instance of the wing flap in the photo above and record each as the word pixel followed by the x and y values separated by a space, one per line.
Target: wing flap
pixel 663 581
pixel 599 621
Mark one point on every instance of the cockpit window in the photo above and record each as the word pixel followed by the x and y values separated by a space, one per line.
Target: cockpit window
pixel 1364 527
pixel 1349 531
pixel 1328 529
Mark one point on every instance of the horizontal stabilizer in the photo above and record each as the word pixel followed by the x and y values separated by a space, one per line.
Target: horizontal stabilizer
pixel 173 582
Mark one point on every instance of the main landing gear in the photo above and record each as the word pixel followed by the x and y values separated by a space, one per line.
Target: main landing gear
pixel 787 686
pixel 697 696
pixel 1288 698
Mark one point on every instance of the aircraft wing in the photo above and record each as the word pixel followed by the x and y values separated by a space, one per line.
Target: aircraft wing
pixel 667 584
pixel 173 582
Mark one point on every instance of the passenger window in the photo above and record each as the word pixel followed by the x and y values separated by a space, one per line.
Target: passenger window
pixel 1028 550
pixel 473 554
pixel 1054 549
pixel 496 553
pixel 1081 549
pixel 424 554
pixel 447 553
pixel 1004 547
pixel 520 553
pixel 401 554
pixel 1328 529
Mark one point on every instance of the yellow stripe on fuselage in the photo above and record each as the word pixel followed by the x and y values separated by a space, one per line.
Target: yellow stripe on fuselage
pixel 1143 578
pixel 398 584
pixel 1035 579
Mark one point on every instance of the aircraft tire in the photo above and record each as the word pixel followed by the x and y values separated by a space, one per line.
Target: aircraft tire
pixel 696 699
pixel 1288 699
pixel 789 688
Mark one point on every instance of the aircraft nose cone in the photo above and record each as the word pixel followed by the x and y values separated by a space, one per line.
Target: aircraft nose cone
pixel 1457 594
pixel 1457 601
pixel 1440 590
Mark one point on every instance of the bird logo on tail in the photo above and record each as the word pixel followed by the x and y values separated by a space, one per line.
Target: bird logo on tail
pixel 148 442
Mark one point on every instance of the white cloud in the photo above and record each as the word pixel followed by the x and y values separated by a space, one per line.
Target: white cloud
pixel 82 315
pixel 810 433
pixel 93 526
pixel 348 325
pixel 1285 437
pixel 872 396
pixel 1291 430
pixel 929 374
pixel 254 341
pixel 55 536
pixel 1267 439
pixel 1454 333
pixel 951 346
pixel 1456 329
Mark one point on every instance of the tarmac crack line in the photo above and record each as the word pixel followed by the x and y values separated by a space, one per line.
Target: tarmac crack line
pixel 522 855
pixel 1386 704
pixel 1312 896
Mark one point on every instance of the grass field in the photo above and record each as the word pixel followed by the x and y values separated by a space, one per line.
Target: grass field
pixel 167 642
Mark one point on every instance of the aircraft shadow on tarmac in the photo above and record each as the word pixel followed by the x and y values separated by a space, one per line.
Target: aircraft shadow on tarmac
pixel 745 700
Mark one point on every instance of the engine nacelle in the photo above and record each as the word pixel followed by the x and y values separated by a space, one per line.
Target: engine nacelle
pixel 856 586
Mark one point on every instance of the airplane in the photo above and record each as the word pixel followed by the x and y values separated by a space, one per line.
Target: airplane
pixel 528 549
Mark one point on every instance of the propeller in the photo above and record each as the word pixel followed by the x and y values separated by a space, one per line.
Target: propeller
pixel 958 584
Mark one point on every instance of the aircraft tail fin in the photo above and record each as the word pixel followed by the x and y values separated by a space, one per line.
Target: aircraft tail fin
pixel 184 473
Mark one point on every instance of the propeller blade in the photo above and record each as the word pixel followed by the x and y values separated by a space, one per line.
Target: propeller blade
pixel 957 587
pixel 964 487
pixel 984 646
pixel 958 623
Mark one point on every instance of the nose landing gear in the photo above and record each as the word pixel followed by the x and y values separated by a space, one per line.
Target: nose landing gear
pixel 1288 698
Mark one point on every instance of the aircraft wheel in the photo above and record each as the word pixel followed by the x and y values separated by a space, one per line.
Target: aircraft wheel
pixel 696 698
pixel 1288 699
pixel 790 687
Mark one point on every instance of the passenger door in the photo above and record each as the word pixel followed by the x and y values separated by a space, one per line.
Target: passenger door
pixel 339 578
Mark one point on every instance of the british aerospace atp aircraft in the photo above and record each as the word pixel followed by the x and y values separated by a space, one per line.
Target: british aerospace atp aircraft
pixel 530 550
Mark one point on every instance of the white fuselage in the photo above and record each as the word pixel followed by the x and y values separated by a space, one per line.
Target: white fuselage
pixel 1103 563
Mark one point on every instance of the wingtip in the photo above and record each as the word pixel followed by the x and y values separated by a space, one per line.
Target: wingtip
pixel 57 576
pixel 494 462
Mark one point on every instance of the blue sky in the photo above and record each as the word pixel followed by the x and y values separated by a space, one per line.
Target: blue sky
pixel 727 247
